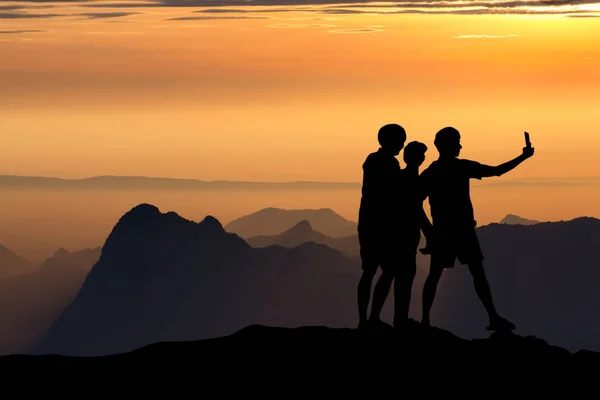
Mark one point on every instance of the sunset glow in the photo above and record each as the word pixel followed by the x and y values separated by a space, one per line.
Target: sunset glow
pixel 287 92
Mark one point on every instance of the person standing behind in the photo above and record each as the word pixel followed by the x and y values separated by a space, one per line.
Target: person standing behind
pixel 446 183
pixel 378 217
pixel 414 220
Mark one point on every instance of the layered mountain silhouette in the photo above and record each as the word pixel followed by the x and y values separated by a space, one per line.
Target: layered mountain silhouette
pixel 162 278
pixel 544 277
pixel 512 219
pixel 85 258
pixel 274 221
pixel 12 264
pixel 303 232
pixel 30 303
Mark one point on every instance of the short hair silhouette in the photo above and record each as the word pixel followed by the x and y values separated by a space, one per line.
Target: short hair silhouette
pixel 414 153
pixel 445 137
pixel 390 135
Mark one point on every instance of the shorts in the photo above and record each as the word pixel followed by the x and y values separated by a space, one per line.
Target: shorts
pixel 392 253
pixel 456 244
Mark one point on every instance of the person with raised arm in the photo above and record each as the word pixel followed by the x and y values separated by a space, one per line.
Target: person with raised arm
pixel 446 182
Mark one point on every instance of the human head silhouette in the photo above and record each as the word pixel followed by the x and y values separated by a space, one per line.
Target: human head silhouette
pixel 391 138
pixel 447 142
pixel 414 154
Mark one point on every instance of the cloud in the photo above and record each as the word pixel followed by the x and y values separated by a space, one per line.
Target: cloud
pixel 106 15
pixel 20 15
pixel 209 18
pixel 456 11
pixel 424 3
pixel 21 31
pixel 15 7
pixel 356 30
pixel 47 1
pixel 246 10
pixel 484 36
pixel 434 7
pixel 136 4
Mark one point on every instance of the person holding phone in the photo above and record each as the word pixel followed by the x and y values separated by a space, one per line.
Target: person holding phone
pixel 446 182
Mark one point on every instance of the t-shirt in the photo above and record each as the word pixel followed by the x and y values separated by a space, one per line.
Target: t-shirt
pixel 380 202
pixel 447 184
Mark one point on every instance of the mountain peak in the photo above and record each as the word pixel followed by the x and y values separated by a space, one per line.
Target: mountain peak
pixel 274 221
pixel 301 227
pixel 512 219
pixel 146 223
pixel 211 223
pixel 143 209
pixel 61 252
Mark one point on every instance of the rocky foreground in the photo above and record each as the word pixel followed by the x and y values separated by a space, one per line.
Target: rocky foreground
pixel 318 351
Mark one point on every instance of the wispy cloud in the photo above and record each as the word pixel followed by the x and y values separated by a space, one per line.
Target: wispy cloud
pixel 15 7
pixel 20 31
pixel 343 7
pixel 100 15
pixel 21 15
pixel 209 18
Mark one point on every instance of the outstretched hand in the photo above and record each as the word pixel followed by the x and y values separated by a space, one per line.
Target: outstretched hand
pixel 528 151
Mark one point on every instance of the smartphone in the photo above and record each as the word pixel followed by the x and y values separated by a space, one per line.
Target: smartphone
pixel 527 141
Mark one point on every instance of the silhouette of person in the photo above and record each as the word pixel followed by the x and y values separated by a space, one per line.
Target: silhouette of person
pixel 413 220
pixel 386 229
pixel 378 216
pixel 447 184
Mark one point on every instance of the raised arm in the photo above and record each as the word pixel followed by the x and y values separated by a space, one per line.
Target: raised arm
pixel 485 171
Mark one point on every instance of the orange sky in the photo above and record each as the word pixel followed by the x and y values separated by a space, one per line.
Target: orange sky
pixel 290 95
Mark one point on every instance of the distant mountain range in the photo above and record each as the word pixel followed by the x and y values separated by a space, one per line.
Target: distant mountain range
pixel 274 221
pixel 141 182
pixel 543 276
pixel 164 278
pixel 512 219
pixel 12 264
pixel 161 277
pixel 303 232
pixel 31 302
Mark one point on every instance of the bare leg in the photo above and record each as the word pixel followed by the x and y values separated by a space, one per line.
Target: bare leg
pixel 429 289
pixel 364 293
pixel 402 294
pixel 380 294
pixel 484 292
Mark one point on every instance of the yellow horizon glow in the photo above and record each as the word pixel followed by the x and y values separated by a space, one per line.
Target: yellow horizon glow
pixel 291 98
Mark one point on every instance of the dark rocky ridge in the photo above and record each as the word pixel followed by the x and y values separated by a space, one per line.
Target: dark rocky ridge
pixel 318 349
